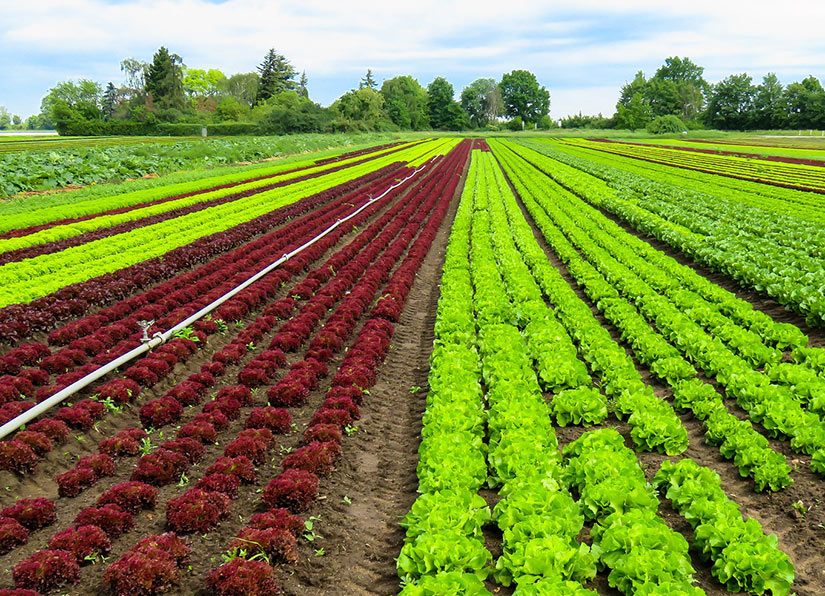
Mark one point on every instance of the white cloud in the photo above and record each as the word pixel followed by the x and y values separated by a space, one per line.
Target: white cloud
pixel 576 51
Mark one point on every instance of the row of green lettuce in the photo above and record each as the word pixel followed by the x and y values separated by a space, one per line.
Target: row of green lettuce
pixel 240 183
pixel 771 253
pixel 752 169
pixel 39 276
pixel 630 547
pixel 491 313
pixel 786 398
pixel 780 200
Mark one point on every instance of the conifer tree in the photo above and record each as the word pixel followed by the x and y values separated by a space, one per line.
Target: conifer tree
pixel 276 76
pixel 164 79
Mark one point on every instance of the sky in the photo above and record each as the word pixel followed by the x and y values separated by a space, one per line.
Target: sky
pixel 583 51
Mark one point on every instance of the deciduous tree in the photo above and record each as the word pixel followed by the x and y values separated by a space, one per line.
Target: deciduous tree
pixel 406 102
pixel 481 100
pixel 523 96
pixel 445 113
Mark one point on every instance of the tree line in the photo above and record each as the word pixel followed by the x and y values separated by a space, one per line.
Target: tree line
pixel 164 96
pixel 677 97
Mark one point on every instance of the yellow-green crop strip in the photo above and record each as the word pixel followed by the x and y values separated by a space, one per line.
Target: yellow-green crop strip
pixel 41 216
pixel 32 278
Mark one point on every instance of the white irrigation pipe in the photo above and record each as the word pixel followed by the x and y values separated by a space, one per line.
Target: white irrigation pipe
pixel 160 338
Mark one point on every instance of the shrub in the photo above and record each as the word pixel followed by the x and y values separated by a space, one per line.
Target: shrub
pixel 160 468
pixel 32 513
pixel 130 496
pixel 12 534
pixel 278 545
pixel 275 419
pixel 295 490
pixel 46 570
pixel 277 518
pixel 226 484
pixel 241 577
pixel 160 412
pixel 240 466
pixel 39 443
pixel 109 518
pixel 665 124
pixel 70 484
pixel 82 542
pixel 196 510
pixel 56 430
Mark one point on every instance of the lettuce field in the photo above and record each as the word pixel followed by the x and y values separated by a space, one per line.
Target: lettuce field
pixel 428 367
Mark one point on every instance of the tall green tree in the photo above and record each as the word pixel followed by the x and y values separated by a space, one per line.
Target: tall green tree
pixel 302 85
pixel 198 83
pixel 135 71
pixel 481 100
pixel 164 80
pixel 368 81
pixel 277 76
pixel 770 107
pixel 406 102
pixel 677 89
pixel 445 112
pixel 683 85
pixel 364 105
pixel 806 103
pixel 109 102
pixel 5 118
pixel 243 87
pixel 730 105
pixel 633 114
pixel 523 97
pixel 83 97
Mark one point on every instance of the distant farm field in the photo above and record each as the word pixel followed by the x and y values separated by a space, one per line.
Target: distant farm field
pixel 431 365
